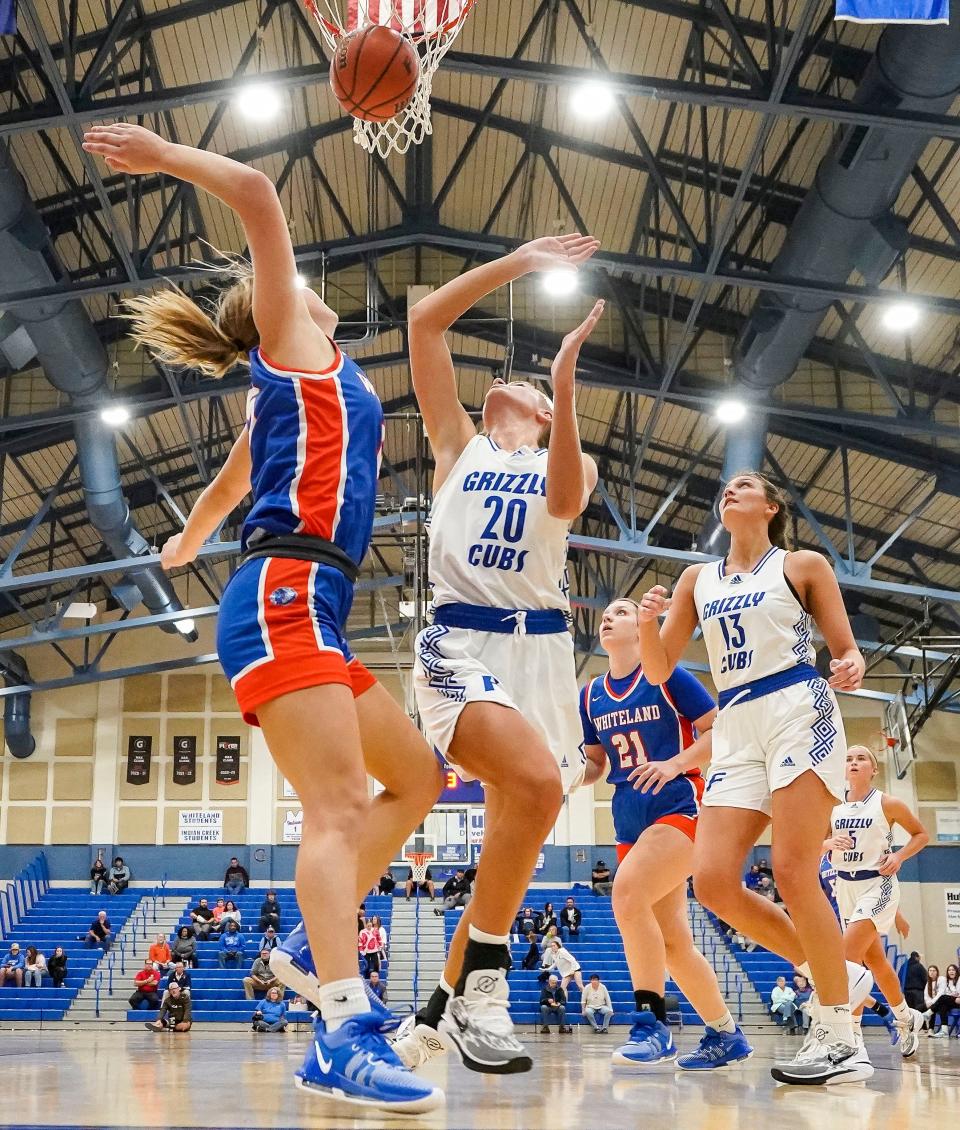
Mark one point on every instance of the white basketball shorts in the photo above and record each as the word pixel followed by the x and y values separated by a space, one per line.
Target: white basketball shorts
pixel 532 674
pixel 869 900
pixel 763 744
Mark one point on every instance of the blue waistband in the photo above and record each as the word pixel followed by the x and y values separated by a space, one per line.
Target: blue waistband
pixel 482 618
pixel 747 692
pixel 856 876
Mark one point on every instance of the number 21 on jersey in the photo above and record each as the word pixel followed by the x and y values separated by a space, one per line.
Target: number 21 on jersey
pixel 630 749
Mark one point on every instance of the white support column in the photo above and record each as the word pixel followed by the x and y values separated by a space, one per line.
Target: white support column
pixel 107 732
pixel 262 790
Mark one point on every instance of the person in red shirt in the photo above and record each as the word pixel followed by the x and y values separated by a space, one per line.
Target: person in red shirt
pixel 147 982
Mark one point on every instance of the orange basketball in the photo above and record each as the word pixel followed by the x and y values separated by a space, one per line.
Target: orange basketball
pixel 374 73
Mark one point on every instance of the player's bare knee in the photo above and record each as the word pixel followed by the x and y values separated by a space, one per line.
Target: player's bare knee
pixel 713 890
pixel 796 880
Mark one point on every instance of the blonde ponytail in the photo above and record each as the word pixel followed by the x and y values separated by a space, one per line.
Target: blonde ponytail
pixel 179 331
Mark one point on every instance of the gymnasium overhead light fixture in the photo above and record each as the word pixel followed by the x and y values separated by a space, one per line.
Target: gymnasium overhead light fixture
pixel 730 411
pixel 592 99
pixel 185 627
pixel 901 316
pixel 560 283
pixel 259 101
pixel 115 415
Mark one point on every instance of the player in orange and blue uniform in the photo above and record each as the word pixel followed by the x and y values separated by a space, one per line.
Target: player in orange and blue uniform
pixel 310 453
pixel 653 739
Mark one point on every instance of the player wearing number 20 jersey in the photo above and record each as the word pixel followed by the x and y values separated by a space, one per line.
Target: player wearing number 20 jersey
pixel 636 722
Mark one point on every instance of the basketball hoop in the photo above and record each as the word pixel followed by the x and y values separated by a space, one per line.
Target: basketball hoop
pixel 430 25
pixel 419 862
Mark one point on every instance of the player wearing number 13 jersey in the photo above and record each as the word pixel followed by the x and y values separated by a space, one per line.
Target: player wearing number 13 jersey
pixel 655 739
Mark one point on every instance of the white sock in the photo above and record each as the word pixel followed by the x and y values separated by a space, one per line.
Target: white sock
pixel 838 1023
pixel 446 986
pixel 487 939
pixel 726 1023
pixel 901 1011
pixel 339 1000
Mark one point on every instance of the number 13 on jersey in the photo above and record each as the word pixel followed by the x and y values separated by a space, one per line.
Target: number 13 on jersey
pixel 734 637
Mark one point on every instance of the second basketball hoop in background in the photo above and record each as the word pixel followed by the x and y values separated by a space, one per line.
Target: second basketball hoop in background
pixel 374 73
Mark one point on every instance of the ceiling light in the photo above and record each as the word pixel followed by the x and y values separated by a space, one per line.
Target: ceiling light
pixel 185 627
pixel 115 415
pixel 300 282
pixel 560 282
pixel 592 99
pixel 901 316
pixel 259 101
pixel 730 411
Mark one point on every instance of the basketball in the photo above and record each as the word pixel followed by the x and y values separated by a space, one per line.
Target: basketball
pixel 374 73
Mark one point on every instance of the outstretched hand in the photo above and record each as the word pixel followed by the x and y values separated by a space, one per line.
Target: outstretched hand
pixel 554 252
pixel 126 148
pixel 653 604
pixel 565 363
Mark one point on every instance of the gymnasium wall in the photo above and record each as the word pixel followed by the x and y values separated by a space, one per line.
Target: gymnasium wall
pixel 66 798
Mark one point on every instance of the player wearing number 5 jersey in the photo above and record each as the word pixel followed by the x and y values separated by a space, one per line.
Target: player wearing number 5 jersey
pixel 778 750
pixel 649 734
pixel 494 674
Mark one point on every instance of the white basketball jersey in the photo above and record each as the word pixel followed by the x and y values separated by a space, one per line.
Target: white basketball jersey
pixel 753 624
pixel 492 541
pixel 864 822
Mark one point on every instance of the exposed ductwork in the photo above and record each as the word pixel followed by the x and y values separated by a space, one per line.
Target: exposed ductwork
pixel 16 707
pixel 74 361
pixel 846 223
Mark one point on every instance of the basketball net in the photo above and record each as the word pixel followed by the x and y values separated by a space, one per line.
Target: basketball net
pixel 419 861
pixel 430 25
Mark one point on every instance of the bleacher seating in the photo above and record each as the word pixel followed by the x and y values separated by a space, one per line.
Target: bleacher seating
pixel 60 917
pixel 599 949
pixel 217 994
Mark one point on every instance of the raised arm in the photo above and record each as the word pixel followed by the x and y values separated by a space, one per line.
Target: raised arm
pixel 571 475
pixel 288 332
pixel 661 648
pixel 448 426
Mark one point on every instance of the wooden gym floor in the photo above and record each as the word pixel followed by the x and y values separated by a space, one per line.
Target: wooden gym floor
pixel 127 1077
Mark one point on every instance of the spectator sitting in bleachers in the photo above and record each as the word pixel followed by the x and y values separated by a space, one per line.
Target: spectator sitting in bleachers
pixel 231 914
pixel 184 948
pixel 147 982
pixel 526 921
pixel 231 947
pixel 159 953
pixel 119 878
pixel 376 924
pixel 236 878
pixel 553 1006
pixel 548 939
pixel 386 884
pixel 934 988
pixel 766 888
pixel 35 965
pixel 531 959
pixel 12 966
pixel 783 1006
pixel 915 982
pixel 455 892
pixel 270 912
pixel 939 1011
pixel 752 878
pixel 600 878
pixel 765 868
pixel 378 987
pixel 98 876
pixel 596 1004
pixel 180 975
pixel 571 919
pixel 262 977
pixel 803 991
pixel 548 919
pixel 203 920
pixel 57 967
pixel 268 939
pixel 175 1012
pixel 218 908
pixel 271 1013
pixel 427 887
pixel 100 932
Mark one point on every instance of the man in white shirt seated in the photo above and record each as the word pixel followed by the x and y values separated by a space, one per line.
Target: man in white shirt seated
pixel 596 1004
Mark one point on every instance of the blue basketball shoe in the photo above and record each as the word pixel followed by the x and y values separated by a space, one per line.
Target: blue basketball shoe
pixel 717 1049
pixel 649 1042
pixel 355 1064
pixel 292 964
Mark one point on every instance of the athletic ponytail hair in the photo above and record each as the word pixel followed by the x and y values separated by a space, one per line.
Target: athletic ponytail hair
pixel 179 331
pixel 779 524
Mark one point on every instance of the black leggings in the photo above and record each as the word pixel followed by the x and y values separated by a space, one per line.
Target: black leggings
pixel 943 1006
